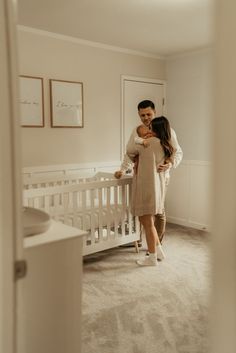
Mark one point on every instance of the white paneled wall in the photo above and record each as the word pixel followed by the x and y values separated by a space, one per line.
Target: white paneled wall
pixel 188 200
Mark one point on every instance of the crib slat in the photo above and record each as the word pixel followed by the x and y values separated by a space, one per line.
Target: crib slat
pixel 74 216
pixel 47 203
pixel 130 218
pixel 84 208
pixel 100 214
pixel 92 217
pixel 36 202
pixel 123 202
pixel 108 212
pixel 115 212
pixel 65 205
pixel 56 205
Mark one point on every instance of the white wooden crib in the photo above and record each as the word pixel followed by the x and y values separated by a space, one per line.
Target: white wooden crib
pixel 99 204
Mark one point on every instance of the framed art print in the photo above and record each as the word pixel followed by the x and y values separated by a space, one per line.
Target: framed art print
pixel 31 101
pixel 66 98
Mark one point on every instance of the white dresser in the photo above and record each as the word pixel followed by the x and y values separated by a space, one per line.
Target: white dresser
pixel 50 295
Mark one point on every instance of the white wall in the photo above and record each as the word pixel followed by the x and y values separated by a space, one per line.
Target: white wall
pixel 189 102
pixel 189 109
pixel 100 71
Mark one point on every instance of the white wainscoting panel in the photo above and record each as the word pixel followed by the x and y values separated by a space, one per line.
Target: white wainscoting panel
pixel 188 199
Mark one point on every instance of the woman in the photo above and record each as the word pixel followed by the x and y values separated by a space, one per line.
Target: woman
pixel 148 192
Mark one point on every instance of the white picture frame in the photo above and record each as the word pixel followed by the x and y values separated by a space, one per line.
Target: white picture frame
pixel 66 101
pixel 31 101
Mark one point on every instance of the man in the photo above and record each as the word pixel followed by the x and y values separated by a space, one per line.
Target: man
pixel 147 112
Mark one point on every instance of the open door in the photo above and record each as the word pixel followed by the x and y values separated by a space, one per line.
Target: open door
pixel 10 180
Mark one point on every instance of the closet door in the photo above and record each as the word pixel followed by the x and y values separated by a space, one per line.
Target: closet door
pixel 134 90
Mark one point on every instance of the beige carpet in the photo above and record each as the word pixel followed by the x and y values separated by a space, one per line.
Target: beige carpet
pixel 163 309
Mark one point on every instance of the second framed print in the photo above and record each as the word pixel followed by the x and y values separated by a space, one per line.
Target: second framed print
pixel 66 99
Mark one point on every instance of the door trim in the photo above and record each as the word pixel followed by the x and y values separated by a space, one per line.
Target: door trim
pixel 10 179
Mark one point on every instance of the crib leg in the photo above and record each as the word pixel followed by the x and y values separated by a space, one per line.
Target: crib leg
pixel 136 246
pixel 138 242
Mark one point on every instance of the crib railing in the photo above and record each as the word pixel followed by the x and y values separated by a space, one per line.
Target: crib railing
pixel 100 205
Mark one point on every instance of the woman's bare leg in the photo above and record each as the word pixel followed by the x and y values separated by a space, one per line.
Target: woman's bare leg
pixel 147 222
pixel 150 231
pixel 153 242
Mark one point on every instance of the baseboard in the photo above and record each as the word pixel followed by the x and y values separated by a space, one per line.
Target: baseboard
pixel 188 223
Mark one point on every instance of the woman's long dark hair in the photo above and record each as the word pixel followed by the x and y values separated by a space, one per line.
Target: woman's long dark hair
pixel 161 127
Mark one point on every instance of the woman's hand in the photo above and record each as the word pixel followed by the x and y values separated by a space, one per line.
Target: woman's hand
pixel 164 167
pixel 118 174
pixel 146 143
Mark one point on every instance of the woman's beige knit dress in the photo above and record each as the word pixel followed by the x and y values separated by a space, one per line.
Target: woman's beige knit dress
pixel 148 188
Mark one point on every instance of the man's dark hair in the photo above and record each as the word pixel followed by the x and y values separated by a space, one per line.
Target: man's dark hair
pixel 146 104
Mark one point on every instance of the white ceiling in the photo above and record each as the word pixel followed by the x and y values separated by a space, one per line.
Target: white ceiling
pixel 158 27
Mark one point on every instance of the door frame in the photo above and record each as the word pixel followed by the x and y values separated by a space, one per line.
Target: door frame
pixel 11 242
pixel 122 122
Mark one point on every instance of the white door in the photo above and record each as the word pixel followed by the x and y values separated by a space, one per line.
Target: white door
pixel 10 183
pixel 134 90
